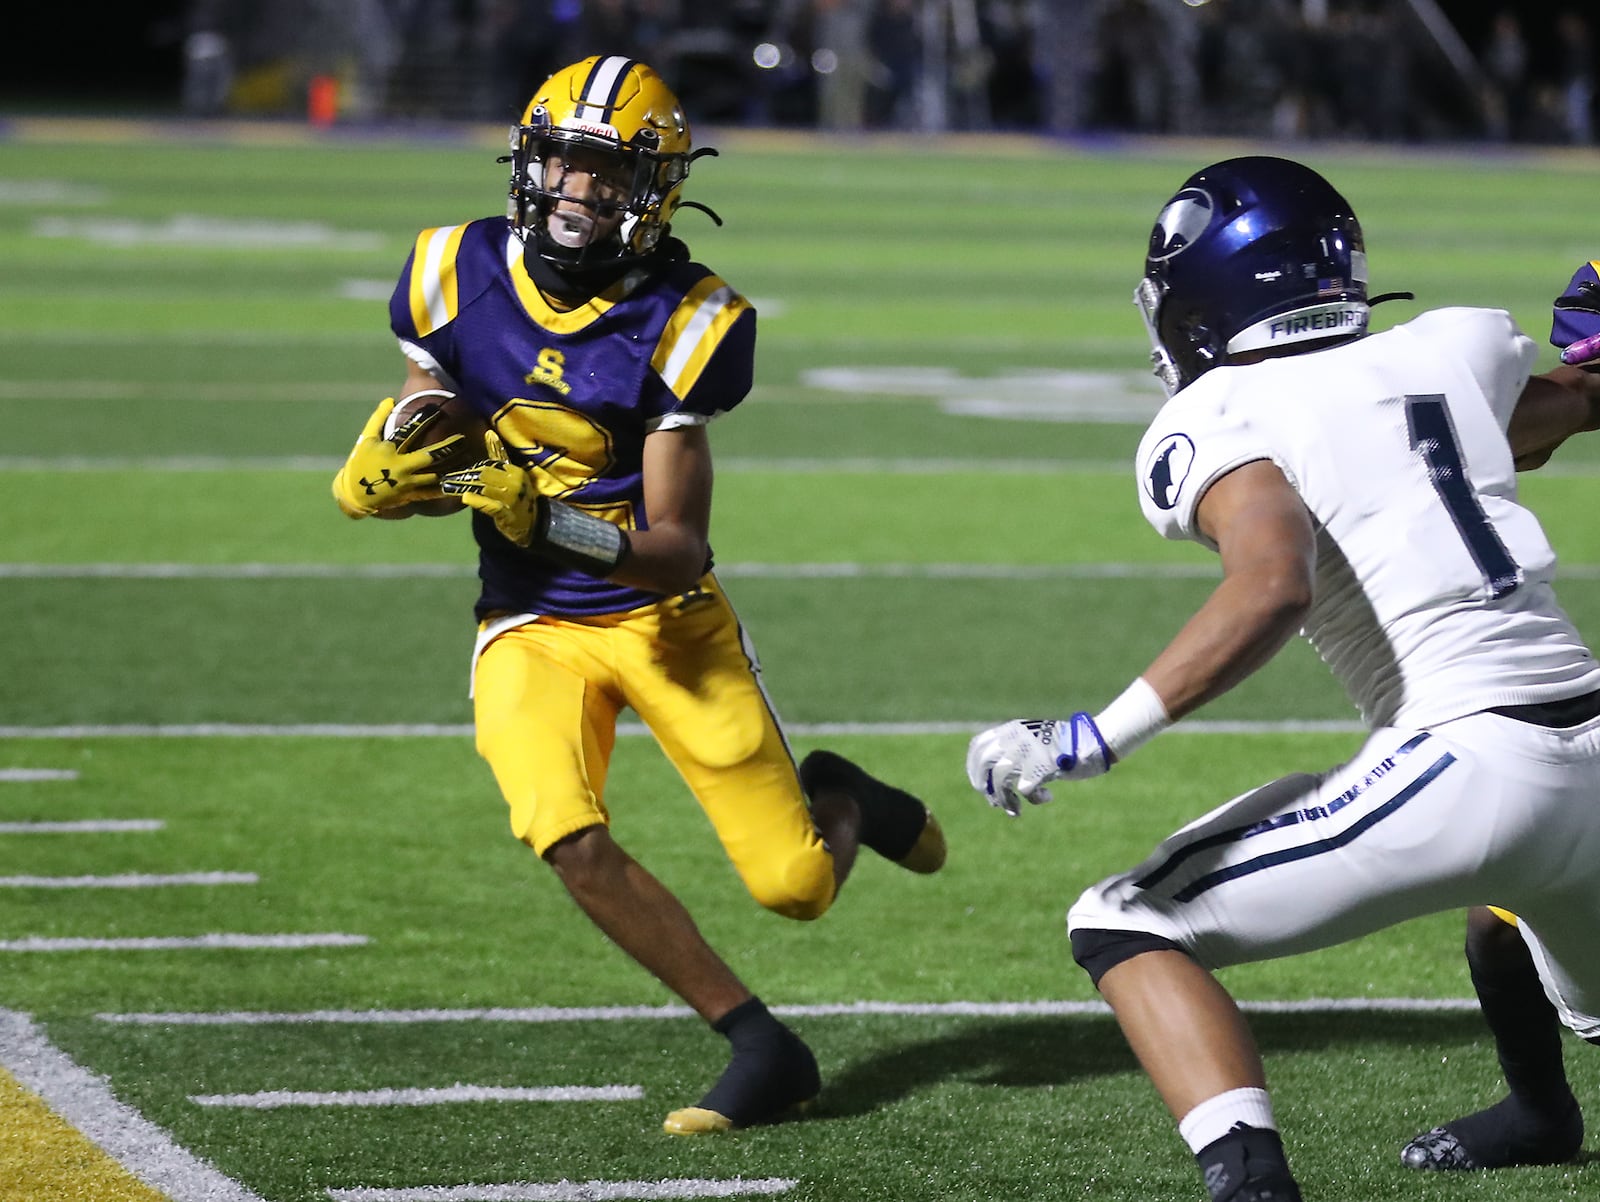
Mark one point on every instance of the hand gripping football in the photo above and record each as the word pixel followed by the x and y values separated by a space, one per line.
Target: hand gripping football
pixel 452 415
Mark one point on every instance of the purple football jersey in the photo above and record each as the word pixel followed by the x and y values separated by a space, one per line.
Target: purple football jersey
pixel 572 394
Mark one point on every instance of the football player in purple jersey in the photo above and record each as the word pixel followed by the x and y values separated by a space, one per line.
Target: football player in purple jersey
pixel 579 328
pixel 1359 488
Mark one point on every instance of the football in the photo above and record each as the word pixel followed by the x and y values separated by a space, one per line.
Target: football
pixel 457 418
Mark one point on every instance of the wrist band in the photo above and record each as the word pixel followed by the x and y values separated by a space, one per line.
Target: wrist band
pixel 1135 717
pixel 592 545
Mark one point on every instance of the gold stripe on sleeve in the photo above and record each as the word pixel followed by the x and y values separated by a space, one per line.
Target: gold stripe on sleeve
pixel 434 302
pixel 693 333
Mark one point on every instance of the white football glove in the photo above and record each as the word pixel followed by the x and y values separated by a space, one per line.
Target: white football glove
pixel 1009 763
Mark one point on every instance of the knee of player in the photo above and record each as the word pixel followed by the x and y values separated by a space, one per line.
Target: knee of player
pixel 1107 927
pixel 1492 931
pixel 1098 950
pixel 801 887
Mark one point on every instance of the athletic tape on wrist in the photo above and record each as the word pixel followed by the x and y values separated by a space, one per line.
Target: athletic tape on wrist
pixel 1134 718
pixel 590 544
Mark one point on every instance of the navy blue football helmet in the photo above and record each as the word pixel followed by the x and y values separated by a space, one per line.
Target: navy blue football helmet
pixel 1250 254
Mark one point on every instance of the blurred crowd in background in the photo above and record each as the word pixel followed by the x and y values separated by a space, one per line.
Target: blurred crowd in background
pixel 1384 70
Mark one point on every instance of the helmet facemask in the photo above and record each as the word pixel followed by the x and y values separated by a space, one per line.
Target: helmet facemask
pixel 634 181
pixel 614 122
pixel 1148 297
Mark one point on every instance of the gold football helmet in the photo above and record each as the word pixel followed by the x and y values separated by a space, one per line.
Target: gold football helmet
pixel 611 106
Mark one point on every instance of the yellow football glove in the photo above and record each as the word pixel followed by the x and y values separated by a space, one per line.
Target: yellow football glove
pixel 510 496
pixel 499 489
pixel 384 472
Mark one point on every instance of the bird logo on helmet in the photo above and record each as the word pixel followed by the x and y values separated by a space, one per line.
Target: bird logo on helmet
pixel 1252 253
pixel 615 107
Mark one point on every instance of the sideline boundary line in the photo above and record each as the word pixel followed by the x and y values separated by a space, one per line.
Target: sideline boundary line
pixel 85 1101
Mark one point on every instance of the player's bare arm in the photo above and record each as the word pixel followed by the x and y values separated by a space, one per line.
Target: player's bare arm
pixel 1268 548
pixel 1553 407
pixel 1566 401
pixel 671 555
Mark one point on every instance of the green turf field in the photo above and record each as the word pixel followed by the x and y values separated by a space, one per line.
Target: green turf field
pixel 927 522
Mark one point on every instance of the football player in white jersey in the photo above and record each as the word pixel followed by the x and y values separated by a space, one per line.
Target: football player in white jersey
pixel 1525 1025
pixel 1359 488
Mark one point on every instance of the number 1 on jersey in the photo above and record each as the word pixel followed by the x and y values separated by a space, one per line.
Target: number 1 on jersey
pixel 1434 438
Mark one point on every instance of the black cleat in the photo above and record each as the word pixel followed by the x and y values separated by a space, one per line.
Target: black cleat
pixel 765 1085
pixel 1506 1135
pixel 1437 1150
pixel 894 824
pixel 1259 1191
pixel 1247 1165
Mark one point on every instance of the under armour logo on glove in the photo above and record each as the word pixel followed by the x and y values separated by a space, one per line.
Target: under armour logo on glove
pixel 1010 763
pixel 372 485
pixel 377 462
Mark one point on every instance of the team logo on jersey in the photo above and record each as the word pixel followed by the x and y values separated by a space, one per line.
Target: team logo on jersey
pixel 552 363
pixel 1168 467
pixel 1183 220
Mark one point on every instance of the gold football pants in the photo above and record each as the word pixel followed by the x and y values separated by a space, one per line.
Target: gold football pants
pixel 547 696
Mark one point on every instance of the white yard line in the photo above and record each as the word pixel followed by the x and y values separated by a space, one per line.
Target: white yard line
pixel 573 1191
pixel 732 464
pixel 561 1014
pixel 169 464
pixel 87 826
pixel 223 730
pixel 274 1099
pixel 34 943
pixel 733 571
pixel 129 880
pixel 85 1101
pixel 235 571
pixel 28 775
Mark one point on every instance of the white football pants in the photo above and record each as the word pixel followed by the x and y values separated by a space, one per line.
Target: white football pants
pixel 1481 810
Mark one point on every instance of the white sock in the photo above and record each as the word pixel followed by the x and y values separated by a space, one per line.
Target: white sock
pixel 1215 1117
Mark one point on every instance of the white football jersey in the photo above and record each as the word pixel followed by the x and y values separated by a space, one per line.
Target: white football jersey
pixel 1433 585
